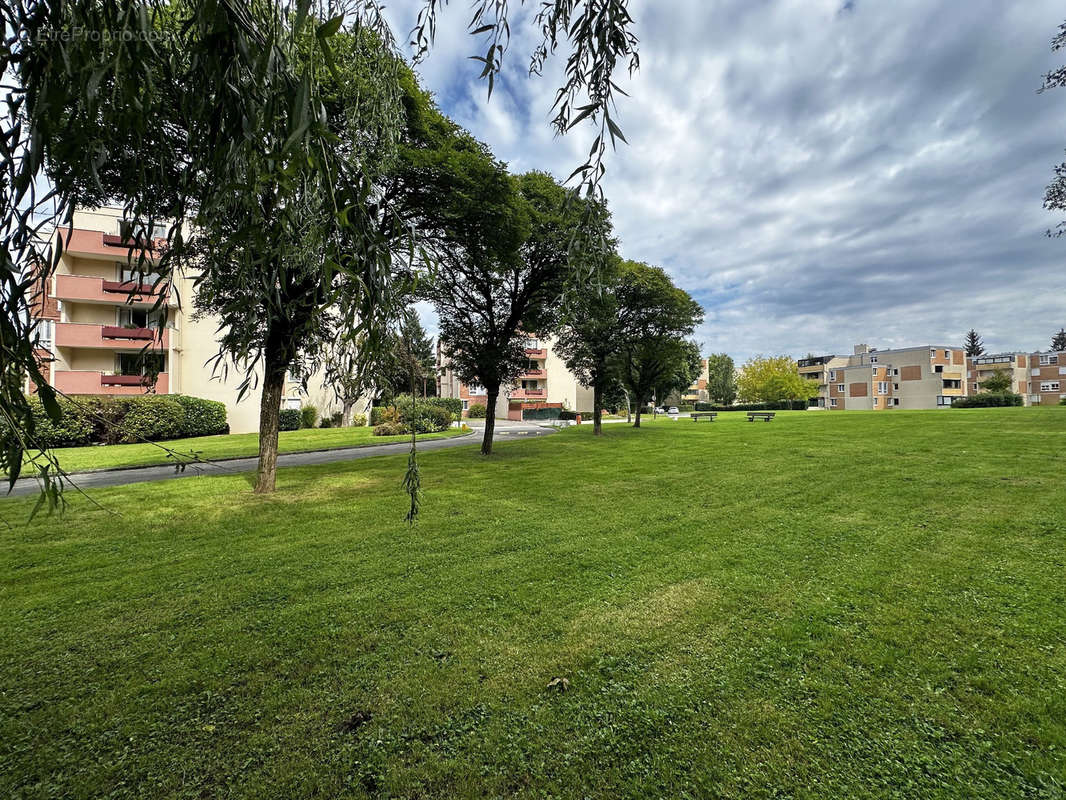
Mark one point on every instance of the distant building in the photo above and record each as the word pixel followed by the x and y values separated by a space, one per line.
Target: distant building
pixel 544 382
pixel 697 392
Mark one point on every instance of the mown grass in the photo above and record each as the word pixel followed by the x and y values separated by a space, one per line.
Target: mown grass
pixel 213 448
pixel 830 605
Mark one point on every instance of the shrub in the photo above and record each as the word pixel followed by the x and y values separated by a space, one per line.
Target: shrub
pixel 74 428
pixel 308 416
pixel 777 405
pixel 150 417
pixel 477 411
pixel 1062 401
pixel 389 429
pixel 326 423
pixel 423 418
pixel 289 419
pixel 358 420
pixel 337 417
pixel 202 417
pixel 989 400
pixel 566 413
pixel 453 405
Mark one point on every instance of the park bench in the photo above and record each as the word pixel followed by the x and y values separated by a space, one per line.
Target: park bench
pixel 763 415
pixel 698 415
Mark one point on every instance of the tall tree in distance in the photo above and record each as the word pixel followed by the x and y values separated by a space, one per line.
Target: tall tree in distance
pixel 659 317
pixel 1058 341
pixel 768 379
pixel 973 345
pixel 588 336
pixel 721 379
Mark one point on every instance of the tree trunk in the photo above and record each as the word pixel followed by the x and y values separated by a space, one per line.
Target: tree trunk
pixel 636 421
pixel 346 417
pixel 597 409
pixel 269 413
pixel 490 422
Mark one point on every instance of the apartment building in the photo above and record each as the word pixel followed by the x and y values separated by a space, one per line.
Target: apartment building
pixel 1016 365
pixel 697 392
pixel 101 331
pixel 869 379
pixel 545 379
pixel 1047 378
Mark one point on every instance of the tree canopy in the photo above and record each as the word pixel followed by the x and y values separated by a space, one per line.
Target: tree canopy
pixel 773 378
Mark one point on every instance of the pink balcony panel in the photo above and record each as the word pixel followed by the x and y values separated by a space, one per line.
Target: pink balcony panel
pixel 112 337
pixel 538 353
pixel 534 373
pixel 90 382
pixel 529 394
pixel 96 290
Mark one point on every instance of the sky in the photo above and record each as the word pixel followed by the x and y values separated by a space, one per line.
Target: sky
pixel 816 173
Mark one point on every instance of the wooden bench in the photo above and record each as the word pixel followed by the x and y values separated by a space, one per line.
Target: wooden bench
pixel 763 415
pixel 698 415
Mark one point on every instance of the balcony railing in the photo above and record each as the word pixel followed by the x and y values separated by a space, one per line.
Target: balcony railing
pixel 534 374
pixel 529 394
pixel 541 352
pixel 94 382
pixel 88 289
pixel 114 337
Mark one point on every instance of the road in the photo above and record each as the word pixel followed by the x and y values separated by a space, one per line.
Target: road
pixel 505 430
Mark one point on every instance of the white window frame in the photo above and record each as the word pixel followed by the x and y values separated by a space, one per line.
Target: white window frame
pixel 1049 386
pixel 46 334
pixel 882 387
pixel 833 402
pixel 840 388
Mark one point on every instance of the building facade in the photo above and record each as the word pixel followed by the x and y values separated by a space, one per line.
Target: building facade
pixel 545 379
pixel 103 329
pixel 697 392
pixel 1047 378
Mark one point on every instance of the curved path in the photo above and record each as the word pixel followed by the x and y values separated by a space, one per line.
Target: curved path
pixel 120 477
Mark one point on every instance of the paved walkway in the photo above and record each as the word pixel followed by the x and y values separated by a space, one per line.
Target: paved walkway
pixel 120 477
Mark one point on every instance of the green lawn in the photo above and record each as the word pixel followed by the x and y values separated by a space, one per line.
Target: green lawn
pixel 211 448
pixel 850 605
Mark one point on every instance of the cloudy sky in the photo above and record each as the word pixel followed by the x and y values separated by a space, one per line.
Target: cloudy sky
pixel 816 173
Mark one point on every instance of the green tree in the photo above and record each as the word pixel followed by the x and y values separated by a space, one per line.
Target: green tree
pixel 973 345
pixel 998 382
pixel 658 319
pixel 767 379
pixel 588 336
pixel 721 379
pixel 1058 341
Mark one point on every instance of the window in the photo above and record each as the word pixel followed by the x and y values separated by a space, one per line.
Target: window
pixel 832 375
pixel 466 405
pixel 873 359
pixel 944 401
pixel 129 317
pixel 938 368
pixel 475 390
pixel 1049 386
pixel 895 401
pixel 932 353
pixel 1046 359
pixel 131 228
pixel 947 354
pixel 1062 370
pixel 532 344
pixel 291 402
pixel 840 388
pixel 140 364
pixel 882 387
pixel 45 333
pixel 895 387
pixel 833 402
pixel 950 384
pixel 975 387
pixel 895 371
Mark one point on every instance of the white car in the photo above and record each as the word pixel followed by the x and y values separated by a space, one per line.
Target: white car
pixel 673 410
pixel 660 410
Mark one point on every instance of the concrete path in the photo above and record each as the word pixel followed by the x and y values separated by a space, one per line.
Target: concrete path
pixel 120 477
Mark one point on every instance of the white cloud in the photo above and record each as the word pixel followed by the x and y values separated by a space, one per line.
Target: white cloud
pixel 816 176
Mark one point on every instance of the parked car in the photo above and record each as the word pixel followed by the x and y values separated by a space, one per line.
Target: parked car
pixel 673 410
pixel 660 410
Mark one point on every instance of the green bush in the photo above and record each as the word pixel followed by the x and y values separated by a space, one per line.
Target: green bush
pixel 453 405
pixel 423 418
pixel 326 423
pixel 989 400
pixel 358 420
pixel 777 405
pixel 337 417
pixel 202 417
pixel 308 416
pixel 289 419
pixel 1062 401
pixel 74 428
pixel 477 411
pixel 151 417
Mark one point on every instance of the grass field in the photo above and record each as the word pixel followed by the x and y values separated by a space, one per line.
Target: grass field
pixel 212 448
pixel 848 605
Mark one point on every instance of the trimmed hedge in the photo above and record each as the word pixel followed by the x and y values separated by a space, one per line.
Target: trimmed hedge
pixel 423 407
pixel 989 400
pixel 289 419
pixel 477 411
pixel 102 419
pixel 777 405
pixel 308 416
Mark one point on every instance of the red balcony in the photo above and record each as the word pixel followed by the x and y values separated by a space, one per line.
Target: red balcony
pixel 111 337
pixel 87 289
pixel 529 394
pixel 90 382
pixel 538 353
pixel 533 374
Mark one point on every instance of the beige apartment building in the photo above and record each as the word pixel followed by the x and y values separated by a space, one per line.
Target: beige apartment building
pixel 1047 378
pixel 97 318
pixel 875 380
pixel 544 380
pixel 697 391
